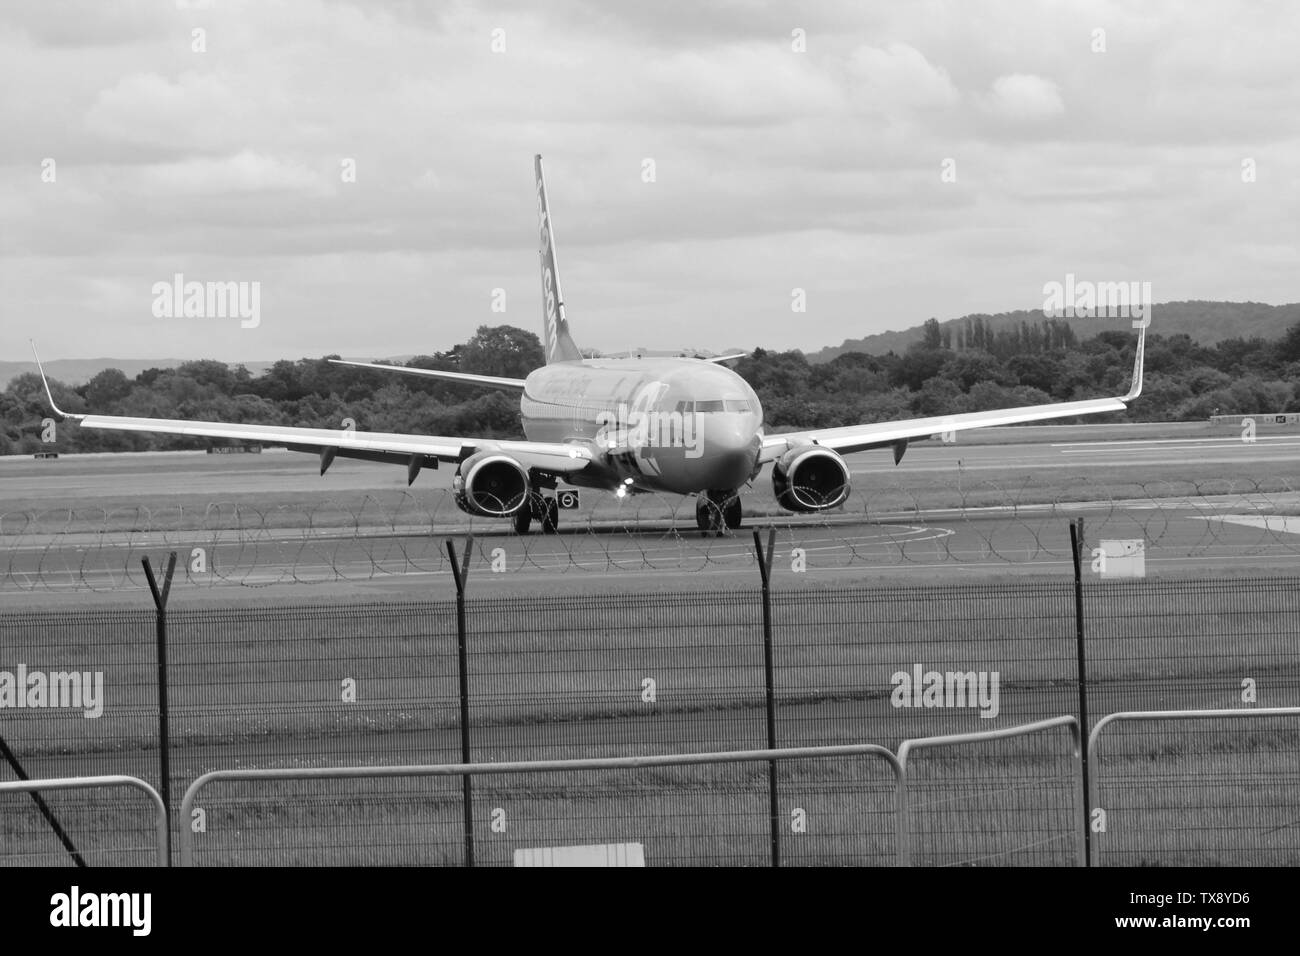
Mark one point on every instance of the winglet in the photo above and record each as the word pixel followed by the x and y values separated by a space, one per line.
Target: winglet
pixel 1136 389
pixel 44 381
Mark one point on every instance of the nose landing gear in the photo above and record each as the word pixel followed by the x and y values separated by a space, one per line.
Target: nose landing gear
pixel 716 509
pixel 543 508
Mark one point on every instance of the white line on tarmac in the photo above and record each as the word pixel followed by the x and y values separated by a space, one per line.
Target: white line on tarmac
pixel 1235 439
pixel 1282 523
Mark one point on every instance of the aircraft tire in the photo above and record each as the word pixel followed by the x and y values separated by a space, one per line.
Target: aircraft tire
pixel 702 514
pixel 522 519
pixel 732 512
pixel 551 516
pixel 709 514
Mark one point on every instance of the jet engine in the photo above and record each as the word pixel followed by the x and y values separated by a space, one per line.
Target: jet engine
pixel 810 478
pixel 490 484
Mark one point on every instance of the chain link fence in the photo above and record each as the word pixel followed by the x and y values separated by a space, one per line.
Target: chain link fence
pixel 613 674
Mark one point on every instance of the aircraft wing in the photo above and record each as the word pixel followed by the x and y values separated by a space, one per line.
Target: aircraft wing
pixel 413 451
pixel 853 438
pixel 493 381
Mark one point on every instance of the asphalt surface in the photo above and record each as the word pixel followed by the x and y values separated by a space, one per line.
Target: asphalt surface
pixel 270 527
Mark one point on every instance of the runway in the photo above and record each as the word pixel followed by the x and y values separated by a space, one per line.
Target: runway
pixel 267 527
pixel 1121 450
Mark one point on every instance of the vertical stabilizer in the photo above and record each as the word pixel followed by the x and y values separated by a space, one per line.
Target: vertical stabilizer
pixel 555 326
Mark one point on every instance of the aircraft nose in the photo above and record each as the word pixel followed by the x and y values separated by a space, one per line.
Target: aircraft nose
pixel 729 446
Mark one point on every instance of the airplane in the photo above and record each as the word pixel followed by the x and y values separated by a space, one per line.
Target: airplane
pixel 683 425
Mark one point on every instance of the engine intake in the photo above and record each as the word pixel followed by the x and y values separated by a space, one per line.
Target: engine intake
pixel 810 478
pixel 490 485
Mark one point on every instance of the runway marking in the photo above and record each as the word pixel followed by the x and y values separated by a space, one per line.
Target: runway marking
pixel 1170 441
pixel 982 563
pixel 1287 525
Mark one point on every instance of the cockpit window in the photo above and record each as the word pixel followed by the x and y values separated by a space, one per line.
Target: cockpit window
pixel 710 406
pixel 738 405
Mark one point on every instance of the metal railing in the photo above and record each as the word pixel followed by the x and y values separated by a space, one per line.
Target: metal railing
pixel 1188 811
pixel 35 787
pixel 903 818
pixel 1016 782
pixel 910 747
pixel 465 771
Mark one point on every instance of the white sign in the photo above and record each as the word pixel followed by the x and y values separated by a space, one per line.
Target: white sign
pixel 1124 558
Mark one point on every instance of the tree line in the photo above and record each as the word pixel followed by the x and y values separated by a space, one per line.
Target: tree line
pixel 943 374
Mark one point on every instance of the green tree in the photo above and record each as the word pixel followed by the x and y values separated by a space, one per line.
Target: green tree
pixel 106 389
pixel 502 350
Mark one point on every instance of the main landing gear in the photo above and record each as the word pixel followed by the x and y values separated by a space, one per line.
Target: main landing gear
pixel 716 509
pixel 541 508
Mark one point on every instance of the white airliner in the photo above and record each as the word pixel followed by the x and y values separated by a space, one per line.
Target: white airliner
pixel 688 426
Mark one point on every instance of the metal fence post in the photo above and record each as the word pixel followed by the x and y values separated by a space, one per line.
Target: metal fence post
pixel 460 572
pixel 765 569
pixel 164 756
pixel 1076 548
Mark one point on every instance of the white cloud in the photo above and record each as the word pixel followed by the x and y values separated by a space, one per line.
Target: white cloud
pixel 818 169
pixel 899 79
pixel 196 111
pixel 1024 98
pixel 243 172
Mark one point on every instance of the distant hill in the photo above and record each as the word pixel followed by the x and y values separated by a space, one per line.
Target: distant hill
pixel 1206 323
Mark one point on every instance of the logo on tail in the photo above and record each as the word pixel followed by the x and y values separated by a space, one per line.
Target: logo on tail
pixel 555 327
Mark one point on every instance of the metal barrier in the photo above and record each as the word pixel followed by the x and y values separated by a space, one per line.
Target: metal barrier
pixel 1094 797
pixel 897 763
pixel 906 749
pixel 903 767
pixel 518 767
pixel 91 783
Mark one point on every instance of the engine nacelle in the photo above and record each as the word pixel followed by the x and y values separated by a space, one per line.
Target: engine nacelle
pixel 810 478
pixel 490 484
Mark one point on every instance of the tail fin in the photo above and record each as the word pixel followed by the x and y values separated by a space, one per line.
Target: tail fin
pixel 555 327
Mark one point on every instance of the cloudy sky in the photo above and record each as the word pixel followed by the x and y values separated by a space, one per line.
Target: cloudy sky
pixel 369 165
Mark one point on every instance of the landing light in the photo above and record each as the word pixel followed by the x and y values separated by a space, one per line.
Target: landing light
pixel 627 481
pixel 621 492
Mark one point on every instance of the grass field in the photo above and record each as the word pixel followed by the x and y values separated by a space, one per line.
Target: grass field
pixel 564 678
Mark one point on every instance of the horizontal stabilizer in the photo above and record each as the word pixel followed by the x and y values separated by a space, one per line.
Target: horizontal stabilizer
pixel 490 381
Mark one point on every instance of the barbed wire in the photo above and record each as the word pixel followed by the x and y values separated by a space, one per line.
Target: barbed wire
pixel 885 525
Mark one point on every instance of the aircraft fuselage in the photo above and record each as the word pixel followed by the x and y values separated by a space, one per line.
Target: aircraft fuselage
pixel 674 425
